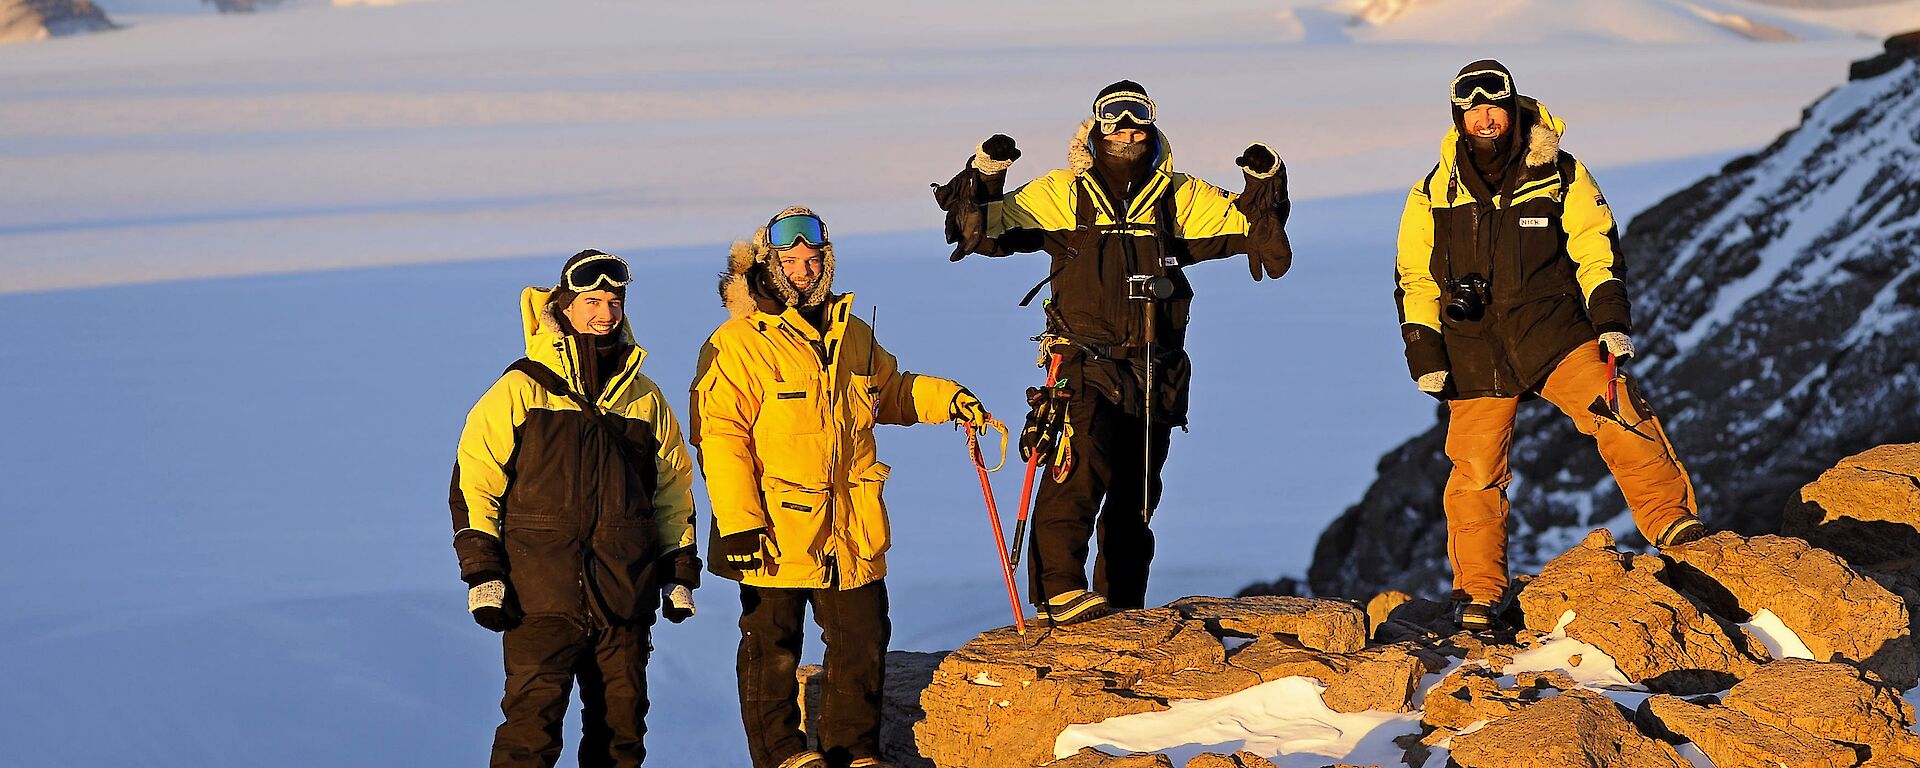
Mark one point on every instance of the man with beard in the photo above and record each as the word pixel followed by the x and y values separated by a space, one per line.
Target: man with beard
pixel 1121 226
pixel 1511 241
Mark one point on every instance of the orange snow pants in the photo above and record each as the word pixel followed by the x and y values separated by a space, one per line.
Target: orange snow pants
pixel 1480 434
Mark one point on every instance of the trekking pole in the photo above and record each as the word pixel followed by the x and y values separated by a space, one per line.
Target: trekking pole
pixel 1033 463
pixel 1148 290
pixel 993 511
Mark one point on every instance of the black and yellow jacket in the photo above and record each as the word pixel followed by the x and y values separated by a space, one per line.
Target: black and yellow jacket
pixel 580 525
pixel 1546 244
pixel 782 419
pixel 1172 222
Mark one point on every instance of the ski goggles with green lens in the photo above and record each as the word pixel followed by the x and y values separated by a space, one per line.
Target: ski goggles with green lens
pixel 596 271
pixel 788 231
pixel 1124 105
pixel 1482 85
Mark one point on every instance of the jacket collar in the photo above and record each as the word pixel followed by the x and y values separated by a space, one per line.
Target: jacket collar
pixel 560 352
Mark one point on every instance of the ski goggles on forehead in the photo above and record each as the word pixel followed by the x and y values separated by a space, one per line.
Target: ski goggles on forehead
pixel 1483 85
pixel 596 272
pixel 1109 111
pixel 788 231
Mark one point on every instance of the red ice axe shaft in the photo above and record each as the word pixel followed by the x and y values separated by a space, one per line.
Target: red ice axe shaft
pixel 1026 486
pixel 993 517
pixel 1613 383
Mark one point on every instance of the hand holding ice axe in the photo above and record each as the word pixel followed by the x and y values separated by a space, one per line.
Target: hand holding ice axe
pixel 1617 345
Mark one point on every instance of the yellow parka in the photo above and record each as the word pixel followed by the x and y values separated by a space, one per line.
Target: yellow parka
pixel 782 419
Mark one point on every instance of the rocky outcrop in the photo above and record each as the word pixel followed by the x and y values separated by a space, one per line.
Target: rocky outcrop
pixel 1865 509
pixel 1839 614
pixel 37 19
pixel 1835 702
pixel 1474 693
pixel 1577 728
pixel 1003 698
pixel 1597 626
pixel 1778 314
pixel 1731 739
pixel 1621 605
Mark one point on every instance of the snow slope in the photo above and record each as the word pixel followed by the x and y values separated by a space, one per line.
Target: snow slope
pixel 225 493
pixel 1635 21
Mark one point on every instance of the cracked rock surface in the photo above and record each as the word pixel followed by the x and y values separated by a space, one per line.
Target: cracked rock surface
pixel 1624 606
pixel 1838 613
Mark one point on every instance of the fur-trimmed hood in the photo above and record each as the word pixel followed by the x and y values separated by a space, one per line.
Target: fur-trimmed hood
pixel 1080 150
pixel 1543 139
pixel 753 270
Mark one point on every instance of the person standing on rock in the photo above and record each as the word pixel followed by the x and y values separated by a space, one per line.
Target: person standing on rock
pixel 1121 226
pixel 572 501
pixel 784 403
pixel 1509 286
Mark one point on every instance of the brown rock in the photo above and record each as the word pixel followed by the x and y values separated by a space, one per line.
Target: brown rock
pixel 1473 693
pixel 1380 609
pixel 1655 635
pixel 1576 728
pixel 1839 614
pixel 1002 698
pixel 1093 758
pixel 1733 740
pixel 1242 759
pixel 36 19
pixel 1833 701
pixel 1865 509
pixel 1323 625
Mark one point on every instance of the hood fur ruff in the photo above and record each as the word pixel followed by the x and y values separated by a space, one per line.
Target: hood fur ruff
pixel 740 294
pixel 1543 141
pixel 1080 153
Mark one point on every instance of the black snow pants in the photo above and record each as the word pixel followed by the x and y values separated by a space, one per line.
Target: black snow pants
pixel 544 656
pixel 1101 496
pixel 856 629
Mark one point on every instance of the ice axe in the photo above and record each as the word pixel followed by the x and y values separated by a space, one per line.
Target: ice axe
pixel 993 510
pixel 1033 464
pixel 1608 406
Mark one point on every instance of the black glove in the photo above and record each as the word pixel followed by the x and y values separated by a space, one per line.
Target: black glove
pixel 1000 147
pixel 1258 160
pixel 487 601
pixel 742 550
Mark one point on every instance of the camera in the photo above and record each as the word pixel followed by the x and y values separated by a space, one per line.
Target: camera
pixel 1149 288
pixel 1469 299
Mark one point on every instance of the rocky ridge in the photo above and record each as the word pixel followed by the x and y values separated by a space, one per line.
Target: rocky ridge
pixel 1743 651
pixel 38 19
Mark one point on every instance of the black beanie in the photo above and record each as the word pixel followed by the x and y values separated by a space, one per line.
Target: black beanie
pixel 563 298
pixel 1123 86
pixel 1510 103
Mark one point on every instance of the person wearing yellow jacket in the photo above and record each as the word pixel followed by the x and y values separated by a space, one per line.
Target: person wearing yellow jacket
pixel 1509 286
pixel 784 403
pixel 1121 227
pixel 572 500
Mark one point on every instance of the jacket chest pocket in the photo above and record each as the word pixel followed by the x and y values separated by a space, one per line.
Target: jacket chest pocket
pixel 790 434
pixel 1540 264
pixel 862 394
